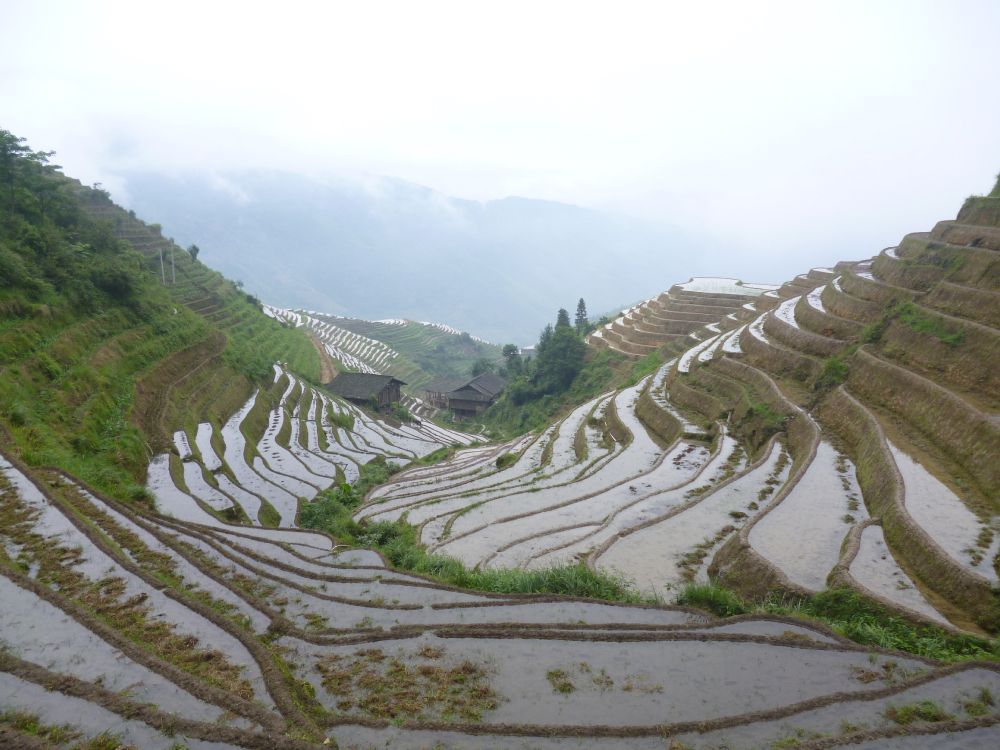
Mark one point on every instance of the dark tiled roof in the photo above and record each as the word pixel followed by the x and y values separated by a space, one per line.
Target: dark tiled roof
pixel 468 394
pixel 444 385
pixel 359 385
pixel 488 383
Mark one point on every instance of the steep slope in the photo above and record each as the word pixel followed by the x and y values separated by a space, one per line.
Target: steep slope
pixel 414 351
pixel 202 618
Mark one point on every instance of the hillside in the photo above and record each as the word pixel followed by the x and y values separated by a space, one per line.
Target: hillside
pixel 840 430
pixel 415 352
pixel 385 248
pixel 201 548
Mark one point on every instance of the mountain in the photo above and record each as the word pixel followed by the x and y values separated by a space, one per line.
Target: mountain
pixel 386 248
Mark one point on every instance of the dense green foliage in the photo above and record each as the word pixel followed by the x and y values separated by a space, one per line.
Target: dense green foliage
pixel 84 318
pixel 397 541
pixel 853 616
pixel 563 373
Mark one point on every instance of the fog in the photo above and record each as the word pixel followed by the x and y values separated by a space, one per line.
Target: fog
pixel 786 134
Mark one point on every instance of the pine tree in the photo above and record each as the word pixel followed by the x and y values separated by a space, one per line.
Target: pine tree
pixel 562 320
pixel 582 322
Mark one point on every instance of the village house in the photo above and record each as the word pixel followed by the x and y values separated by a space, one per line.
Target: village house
pixel 475 395
pixel 436 392
pixel 364 389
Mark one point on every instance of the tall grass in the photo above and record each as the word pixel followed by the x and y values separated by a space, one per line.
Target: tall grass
pixel 853 616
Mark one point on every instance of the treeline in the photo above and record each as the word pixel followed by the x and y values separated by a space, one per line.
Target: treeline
pixel 50 250
pixel 558 358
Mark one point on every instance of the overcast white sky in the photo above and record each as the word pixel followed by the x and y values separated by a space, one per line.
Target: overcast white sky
pixel 778 127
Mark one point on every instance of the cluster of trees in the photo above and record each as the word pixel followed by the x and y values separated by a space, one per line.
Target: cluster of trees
pixel 48 245
pixel 558 359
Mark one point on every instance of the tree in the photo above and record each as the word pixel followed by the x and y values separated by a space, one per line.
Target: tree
pixel 194 250
pixel 483 365
pixel 512 357
pixel 582 323
pixel 562 319
pixel 560 361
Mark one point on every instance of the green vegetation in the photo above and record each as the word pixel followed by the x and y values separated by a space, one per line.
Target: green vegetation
pixel 853 616
pixel 92 341
pixel 425 351
pixel 563 374
pixel 923 322
pixel 925 710
pixel 835 372
pixel 505 460
pixel 397 541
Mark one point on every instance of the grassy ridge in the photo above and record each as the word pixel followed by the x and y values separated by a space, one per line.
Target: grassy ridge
pixel 853 616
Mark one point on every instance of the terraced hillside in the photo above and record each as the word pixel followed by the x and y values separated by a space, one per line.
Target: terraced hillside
pixel 415 352
pixel 670 319
pixel 840 430
pixel 174 628
pixel 156 593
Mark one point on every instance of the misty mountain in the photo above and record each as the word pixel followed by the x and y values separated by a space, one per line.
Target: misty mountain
pixel 386 248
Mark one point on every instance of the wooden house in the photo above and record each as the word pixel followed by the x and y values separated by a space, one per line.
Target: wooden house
pixel 380 391
pixel 436 392
pixel 475 395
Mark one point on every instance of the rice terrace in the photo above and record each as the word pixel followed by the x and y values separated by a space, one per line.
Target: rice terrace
pixel 755 507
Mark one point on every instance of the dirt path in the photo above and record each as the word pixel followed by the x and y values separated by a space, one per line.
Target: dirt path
pixel 326 367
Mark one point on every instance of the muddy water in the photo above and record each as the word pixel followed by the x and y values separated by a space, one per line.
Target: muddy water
pixel 684 364
pixel 668 681
pixel 815 298
pixel 203 439
pixel 651 557
pixel 949 692
pixel 297 479
pixel 621 480
pixel 943 515
pixel 235 444
pixel 248 502
pixel 521 554
pixel 407 493
pixel 756 328
pixel 96 565
pixel 182 444
pixel 54 708
pixel 802 535
pixel 694 466
pixel 875 569
pixel 637 459
pixel 201 489
pixel 64 645
pixel 786 311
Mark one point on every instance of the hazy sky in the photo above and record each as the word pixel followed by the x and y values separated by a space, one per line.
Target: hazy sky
pixel 814 130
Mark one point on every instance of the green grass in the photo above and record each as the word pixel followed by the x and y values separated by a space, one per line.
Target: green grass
pixel 853 616
pixel 923 322
pixel 924 711
pixel 397 541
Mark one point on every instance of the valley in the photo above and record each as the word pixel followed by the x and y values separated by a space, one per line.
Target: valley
pixel 778 527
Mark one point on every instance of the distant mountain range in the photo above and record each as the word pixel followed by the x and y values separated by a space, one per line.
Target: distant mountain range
pixel 387 248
